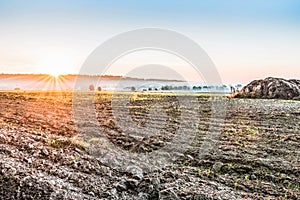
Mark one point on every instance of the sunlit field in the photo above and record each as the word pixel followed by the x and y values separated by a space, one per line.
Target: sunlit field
pixel 43 155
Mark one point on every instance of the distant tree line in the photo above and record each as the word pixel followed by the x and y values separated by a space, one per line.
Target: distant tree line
pixel 168 87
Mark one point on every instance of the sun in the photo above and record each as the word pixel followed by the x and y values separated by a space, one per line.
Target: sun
pixel 54 65
pixel 55 74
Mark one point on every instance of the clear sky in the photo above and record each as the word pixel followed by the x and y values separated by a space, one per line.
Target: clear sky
pixel 245 39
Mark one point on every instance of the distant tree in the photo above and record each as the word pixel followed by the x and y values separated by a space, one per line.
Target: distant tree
pixel 232 89
pixel 17 88
pixel 149 88
pixel 133 88
pixel 166 87
pixel 186 87
pixel 92 87
pixel 99 88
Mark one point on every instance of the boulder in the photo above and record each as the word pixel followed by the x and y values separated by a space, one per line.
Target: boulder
pixel 270 88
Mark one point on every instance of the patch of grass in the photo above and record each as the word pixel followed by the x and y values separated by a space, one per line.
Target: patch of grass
pixel 208 172
pixel 186 163
pixel 65 142
pixel 252 130
pixel 76 159
pixel 246 177
pixel 235 184
pixel 55 144
pixel 204 172
pixel 95 140
pixel 289 101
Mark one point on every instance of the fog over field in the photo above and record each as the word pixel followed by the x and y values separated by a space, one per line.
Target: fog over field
pixel 116 83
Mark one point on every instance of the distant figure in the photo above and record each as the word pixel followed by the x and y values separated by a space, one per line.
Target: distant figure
pixel 232 89
pixel 233 92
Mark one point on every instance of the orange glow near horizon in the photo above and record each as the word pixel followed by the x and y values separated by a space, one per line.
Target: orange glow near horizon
pixel 49 82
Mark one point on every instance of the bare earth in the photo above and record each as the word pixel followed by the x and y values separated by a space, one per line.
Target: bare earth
pixel 42 156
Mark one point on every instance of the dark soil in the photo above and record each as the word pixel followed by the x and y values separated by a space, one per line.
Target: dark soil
pixel 256 155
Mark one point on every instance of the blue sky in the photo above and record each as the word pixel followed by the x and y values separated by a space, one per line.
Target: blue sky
pixel 245 39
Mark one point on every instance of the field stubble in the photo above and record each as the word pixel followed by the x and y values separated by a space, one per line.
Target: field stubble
pixel 42 155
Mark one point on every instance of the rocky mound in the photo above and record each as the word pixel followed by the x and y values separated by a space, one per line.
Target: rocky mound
pixel 271 88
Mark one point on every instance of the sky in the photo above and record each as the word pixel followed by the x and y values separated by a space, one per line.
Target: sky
pixel 246 40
